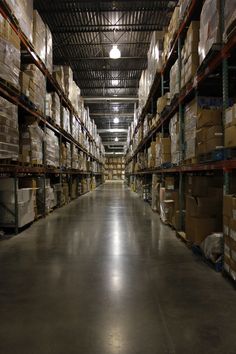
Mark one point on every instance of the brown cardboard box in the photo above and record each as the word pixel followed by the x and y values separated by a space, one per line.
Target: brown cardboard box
pixel 230 116
pixel 202 206
pixel 214 143
pixel 201 148
pixel 168 210
pixel 208 117
pixel 197 229
pixel 197 186
pixel 170 183
pixel 227 206
pixel 230 136
pixel 214 131
pixel 165 145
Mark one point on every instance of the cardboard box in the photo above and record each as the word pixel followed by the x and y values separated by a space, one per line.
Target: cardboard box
pixel 230 116
pixel 230 136
pixel 202 206
pixel 208 117
pixel 170 183
pixel 226 227
pixel 197 186
pixel 215 143
pixel 197 229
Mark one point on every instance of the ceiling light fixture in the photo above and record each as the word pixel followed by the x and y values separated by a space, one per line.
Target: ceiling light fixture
pixel 115 52
pixel 115 82
pixel 116 120
pixel 116 138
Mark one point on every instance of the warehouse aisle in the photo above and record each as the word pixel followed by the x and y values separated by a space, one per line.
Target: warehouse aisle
pixel 103 276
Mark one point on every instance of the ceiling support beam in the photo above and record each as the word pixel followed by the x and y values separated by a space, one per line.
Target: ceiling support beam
pixel 110 99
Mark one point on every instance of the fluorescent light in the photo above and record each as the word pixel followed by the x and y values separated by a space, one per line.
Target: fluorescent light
pixel 116 120
pixel 115 52
pixel 115 82
pixel 116 138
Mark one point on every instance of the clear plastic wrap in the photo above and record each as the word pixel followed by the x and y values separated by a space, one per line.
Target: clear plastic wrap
pixel 49 53
pixel 56 108
pixel 212 247
pixel 174 134
pixel 58 74
pixel 230 17
pixel 9 53
pixel 174 80
pixel 39 36
pixel 209 27
pixel 31 144
pixel 48 105
pixel 66 119
pixel 23 11
pixel 68 155
pixel 33 85
pixel 190 122
pixel 9 134
pixel 68 80
pixel 51 148
pixel 75 158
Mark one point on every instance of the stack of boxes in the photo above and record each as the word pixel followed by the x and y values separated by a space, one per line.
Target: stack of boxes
pixel 39 36
pixel 154 56
pixel 189 53
pixel 169 202
pixel 175 142
pixel 10 53
pixel 209 27
pixel 31 143
pixel 203 207
pixel 162 103
pixel 52 150
pixel 33 85
pixel 229 222
pixel 170 33
pixel 163 150
pixel 209 135
pixel 190 123
pixel 23 11
pixel 9 134
pixel 230 127
pixel 152 155
pixel 66 119
pixel 174 80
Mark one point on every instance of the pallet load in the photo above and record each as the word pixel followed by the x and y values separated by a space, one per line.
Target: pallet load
pixel 170 33
pixel 56 109
pixel 52 150
pixel 190 124
pixel 10 53
pixel 31 143
pixel 66 119
pixel 209 136
pixel 154 56
pixel 230 127
pixel 163 151
pixel 152 155
pixel 209 28
pixel 25 204
pixel 169 202
pixel 9 133
pixel 230 18
pixel 39 36
pixel 229 222
pixel 68 80
pixel 189 53
pixel 203 208
pixel 75 128
pixel 175 144
pixel 174 80
pixel 33 85
pixel 75 158
pixel 23 11
pixel 156 193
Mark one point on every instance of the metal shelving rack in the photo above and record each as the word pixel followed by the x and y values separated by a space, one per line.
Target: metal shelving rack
pixel 218 61
pixel 13 95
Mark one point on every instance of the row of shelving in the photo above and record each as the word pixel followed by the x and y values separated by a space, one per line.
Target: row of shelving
pixel 49 147
pixel 181 154
pixel 34 75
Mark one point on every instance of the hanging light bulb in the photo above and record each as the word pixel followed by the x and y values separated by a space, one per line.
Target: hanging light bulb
pixel 115 52
pixel 116 120
pixel 116 139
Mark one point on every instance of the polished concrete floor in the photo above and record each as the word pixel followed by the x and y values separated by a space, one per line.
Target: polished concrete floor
pixel 104 276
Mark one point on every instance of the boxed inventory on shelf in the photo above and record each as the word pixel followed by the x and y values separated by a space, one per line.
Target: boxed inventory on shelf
pixel 175 145
pixel 203 207
pixel 9 134
pixel 23 11
pixel 31 143
pixel 163 150
pixel 9 53
pixel 25 203
pixel 209 27
pixel 230 17
pixel 33 85
pixel 52 151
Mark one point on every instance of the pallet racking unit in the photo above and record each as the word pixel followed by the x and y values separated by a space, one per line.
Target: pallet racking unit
pixel 212 76
pixel 95 164
pixel 114 168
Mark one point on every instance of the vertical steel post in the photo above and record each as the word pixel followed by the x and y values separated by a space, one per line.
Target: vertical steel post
pixel 16 203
